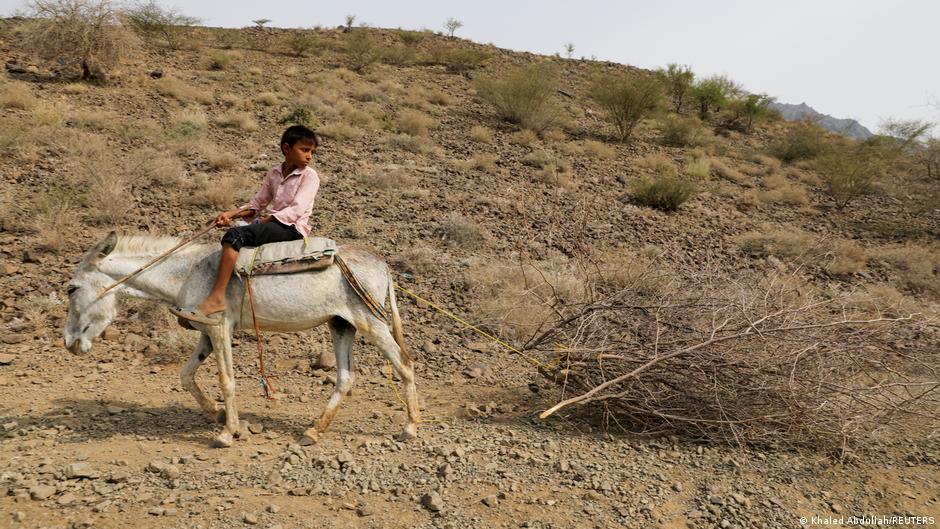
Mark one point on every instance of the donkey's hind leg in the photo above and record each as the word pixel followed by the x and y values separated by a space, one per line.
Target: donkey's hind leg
pixel 343 336
pixel 404 367
pixel 188 378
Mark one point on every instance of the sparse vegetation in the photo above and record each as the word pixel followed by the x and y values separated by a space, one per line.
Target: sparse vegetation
pixel 299 42
pixel 85 36
pixel 802 141
pixel 481 134
pixel 712 93
pixel 678 81
pixel 523 96
pixel 744 112
pixel 452 25
pixel 682 131
pixel 152 21
pixel 782 243
pixel 414 123
pixel 462 231
pixel 850 172
pixel 239 120
pixel 626 100
pixel 182 92
pixel 220 60
pixel 665 190
pixel 361 51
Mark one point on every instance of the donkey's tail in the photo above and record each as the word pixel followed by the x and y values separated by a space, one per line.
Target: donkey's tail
pixel 397 332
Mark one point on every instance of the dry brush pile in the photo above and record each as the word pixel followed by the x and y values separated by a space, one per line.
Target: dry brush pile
pixel 762 359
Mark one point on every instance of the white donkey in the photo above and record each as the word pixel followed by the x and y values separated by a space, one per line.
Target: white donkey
pixel 291 302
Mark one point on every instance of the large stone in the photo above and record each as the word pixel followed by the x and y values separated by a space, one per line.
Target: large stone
pixel 80 470
pixel 164 469
pixel 6 359
pixel 41 492
pixel 433 501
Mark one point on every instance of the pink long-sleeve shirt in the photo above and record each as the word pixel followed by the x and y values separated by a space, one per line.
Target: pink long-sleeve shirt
pixel 290 197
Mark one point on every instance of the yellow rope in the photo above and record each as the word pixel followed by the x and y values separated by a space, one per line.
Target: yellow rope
pixel 529 358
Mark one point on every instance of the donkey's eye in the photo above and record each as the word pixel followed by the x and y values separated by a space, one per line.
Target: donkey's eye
pixel 72 288
pixel 86 328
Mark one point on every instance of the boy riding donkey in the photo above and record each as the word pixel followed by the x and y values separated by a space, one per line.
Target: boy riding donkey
pixel 290 189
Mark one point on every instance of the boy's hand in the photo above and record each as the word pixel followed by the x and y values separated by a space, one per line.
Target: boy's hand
pixel 223 219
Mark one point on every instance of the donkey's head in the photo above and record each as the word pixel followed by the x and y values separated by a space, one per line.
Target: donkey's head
pixel 89 316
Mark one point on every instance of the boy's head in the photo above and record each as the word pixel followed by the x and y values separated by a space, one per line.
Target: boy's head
pixel 298 143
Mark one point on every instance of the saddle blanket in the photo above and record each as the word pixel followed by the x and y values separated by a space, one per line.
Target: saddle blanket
pixel 311 253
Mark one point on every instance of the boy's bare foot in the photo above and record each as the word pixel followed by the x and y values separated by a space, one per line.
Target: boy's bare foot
pixel 209 306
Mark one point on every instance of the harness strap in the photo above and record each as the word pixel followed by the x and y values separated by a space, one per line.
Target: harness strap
pixel 376 308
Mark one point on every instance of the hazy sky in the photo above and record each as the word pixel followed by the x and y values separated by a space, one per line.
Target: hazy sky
pixel 864 59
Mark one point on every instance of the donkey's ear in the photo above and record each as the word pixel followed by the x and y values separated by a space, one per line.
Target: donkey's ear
pixel 107 245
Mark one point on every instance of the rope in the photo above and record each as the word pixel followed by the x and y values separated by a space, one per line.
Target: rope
pixel 529 358
pixel 266 385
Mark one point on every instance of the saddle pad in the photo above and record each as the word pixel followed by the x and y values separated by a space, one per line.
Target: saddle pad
pixel 286 257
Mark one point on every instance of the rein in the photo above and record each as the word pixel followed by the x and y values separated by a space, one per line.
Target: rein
pixel 156 260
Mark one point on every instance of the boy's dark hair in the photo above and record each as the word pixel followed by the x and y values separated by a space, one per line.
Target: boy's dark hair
pixel 296 133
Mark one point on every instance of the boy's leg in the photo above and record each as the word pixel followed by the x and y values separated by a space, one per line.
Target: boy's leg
pixel 215 301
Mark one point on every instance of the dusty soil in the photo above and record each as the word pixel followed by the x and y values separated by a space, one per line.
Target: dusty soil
pixel 110 439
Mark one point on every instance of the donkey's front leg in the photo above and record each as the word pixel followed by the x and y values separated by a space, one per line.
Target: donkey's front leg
pixel 220 335
pixel 188 378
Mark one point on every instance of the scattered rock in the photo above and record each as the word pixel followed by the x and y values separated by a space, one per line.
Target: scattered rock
pixel 135 342
pixel 164 469
pixel 273 509
pixel 255 428
pixel 250 518
pixel 19 516
pixel 81 470
pixel 8 269
pixel 41 492
pixel 491 501
pixel 344 457
pixel 432 501
pixel 156 74
pixel 66 499
pixel 13 338
pixel 30 257
pixel 6 359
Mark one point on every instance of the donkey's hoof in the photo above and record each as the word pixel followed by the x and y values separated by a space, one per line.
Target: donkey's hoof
pixel 410 432
pixel 224 440
pixel 310 437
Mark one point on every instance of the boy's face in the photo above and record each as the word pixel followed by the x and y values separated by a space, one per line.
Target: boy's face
pixel 299 154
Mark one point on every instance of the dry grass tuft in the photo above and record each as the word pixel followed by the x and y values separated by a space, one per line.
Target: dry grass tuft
pixel 239 120
pixel 481 134
pixel 182 92
pixel 462 231
pixel 190 122
pixel 340 131
pixel 848 258
pixel 268 99
pixel 917 267
pixel 782 191
pixel 415 260
pixel 415 144
pixel 220 160
pixel 597 150
pixel 523 137
pixel 781 243
pixel 698 168
pixel 414 123
pixel 390 177
pixel 16 96
pixel 729 173
pixel 55 218
pixel 480 162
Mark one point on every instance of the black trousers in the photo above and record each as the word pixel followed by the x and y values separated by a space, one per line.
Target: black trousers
pixel 258 234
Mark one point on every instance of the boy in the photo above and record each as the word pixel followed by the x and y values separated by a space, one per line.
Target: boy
pixel 290 189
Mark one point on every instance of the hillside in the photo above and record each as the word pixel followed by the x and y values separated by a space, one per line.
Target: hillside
pixel 417 167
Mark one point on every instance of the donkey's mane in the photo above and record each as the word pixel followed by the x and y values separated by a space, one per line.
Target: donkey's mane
pixel 145 244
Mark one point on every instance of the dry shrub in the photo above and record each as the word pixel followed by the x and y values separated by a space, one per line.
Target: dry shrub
pixel 354 116
pixel 480 162
pixel 220 160
pixel 766 165
pixel 848 258
pixel 268 99
pixel 782 191
pixel 220 60
pixel 165 170
pixel 917 267
pixel 190 122
pixel 49 114
pixel 340 131
pixel 481 134
pixel 16 96
pixel 182 92
pixel 84 37
pixel 366 92
pixel 233 101
pixel 524 96
pixel 438 97
pixel 759 360
pixel 681 131
pixel 239 120
pixel 698 168
pixel 597 150
pixel 783 243
pixel 54 218
pixel 462 231
pixel 523 137
pixel 802 141
pixel 414 260
pixel 221 192
pixel 658 163
pixel 362 50
pixel 664 191
pixel 729 173
pixel 554 135
pixel 109 194
pixel 414 123
pixel 390 177
pixel 74 88
pixel 415 144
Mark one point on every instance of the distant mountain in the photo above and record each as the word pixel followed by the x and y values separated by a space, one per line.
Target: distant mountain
pixel 847 127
